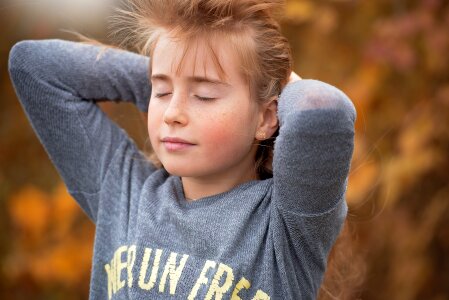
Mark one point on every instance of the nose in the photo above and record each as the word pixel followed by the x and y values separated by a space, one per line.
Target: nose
pixel 176 113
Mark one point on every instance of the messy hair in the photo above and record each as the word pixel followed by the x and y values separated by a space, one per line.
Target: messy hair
pixel 249 26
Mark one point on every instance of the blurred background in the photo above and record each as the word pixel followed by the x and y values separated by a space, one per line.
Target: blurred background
pixel 390 56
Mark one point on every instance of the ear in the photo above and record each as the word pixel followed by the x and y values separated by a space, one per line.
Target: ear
pixel 268 119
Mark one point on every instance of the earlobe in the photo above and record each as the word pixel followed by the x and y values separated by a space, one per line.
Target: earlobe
pixel 261 135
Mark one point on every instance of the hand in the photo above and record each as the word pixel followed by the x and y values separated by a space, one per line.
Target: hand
pixel 294 77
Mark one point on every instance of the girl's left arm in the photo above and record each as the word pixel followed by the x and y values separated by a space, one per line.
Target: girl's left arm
pixel 312 156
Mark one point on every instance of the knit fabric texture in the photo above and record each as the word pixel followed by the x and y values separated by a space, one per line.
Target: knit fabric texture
pixel 263 239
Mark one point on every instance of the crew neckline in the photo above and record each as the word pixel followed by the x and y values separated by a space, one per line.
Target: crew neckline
pixel 214 199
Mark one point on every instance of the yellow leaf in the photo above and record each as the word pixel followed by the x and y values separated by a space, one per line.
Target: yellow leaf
pixel 299 11
pixel 29 210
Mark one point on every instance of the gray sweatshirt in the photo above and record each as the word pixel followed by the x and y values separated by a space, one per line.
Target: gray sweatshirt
pixel 263 239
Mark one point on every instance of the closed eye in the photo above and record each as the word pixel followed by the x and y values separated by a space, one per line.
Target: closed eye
pixel 204 98
pixel 160 95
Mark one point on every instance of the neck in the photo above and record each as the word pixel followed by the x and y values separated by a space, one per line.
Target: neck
pixel 200 187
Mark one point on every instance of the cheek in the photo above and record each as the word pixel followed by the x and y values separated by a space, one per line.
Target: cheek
pixel 228 132
pixel 154 120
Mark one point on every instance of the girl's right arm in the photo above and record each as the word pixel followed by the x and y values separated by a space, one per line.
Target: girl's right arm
pixel 58 84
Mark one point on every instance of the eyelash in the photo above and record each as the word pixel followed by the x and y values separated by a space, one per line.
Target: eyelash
pixel 161 95
pixel 204 98
pixel 198 97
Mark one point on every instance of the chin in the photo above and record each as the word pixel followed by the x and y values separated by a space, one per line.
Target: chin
pixel 185 171
pixel 176 170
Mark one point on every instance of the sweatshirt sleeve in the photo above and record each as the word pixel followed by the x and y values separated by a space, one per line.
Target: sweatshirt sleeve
pixel 58 84
pixel 312 156
pixel 314 148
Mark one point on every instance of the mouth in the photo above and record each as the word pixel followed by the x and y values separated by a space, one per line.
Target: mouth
pixel 176 144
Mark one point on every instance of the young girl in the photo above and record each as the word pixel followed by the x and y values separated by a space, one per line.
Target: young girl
pixel 215 221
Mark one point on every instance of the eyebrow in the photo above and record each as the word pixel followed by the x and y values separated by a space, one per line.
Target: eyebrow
pixel 195 79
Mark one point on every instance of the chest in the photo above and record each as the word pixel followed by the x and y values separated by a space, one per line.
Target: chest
pixel 165 252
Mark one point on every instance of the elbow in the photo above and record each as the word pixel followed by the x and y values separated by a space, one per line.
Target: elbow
pixel 30 56
pixel 314 95
pixel 18 55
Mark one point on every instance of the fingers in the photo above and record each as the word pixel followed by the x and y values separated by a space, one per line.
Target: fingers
pixel 294 77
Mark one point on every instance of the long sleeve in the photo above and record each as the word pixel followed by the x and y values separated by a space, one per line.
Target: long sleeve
pixel 58 83
pixel 311 163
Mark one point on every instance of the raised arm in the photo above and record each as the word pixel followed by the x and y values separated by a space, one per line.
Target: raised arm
pixel 58 83
pixel 314 148
pixel 312 157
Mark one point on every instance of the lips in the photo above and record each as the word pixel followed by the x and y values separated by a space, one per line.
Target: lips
pixel 176 140
pixel 176 144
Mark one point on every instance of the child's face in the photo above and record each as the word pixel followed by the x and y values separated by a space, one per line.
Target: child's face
pixel 217 118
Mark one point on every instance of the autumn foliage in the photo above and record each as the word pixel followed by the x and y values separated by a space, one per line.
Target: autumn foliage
pixel 390 57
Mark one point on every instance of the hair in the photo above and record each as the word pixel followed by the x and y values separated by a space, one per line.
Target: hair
pixel 249 26
pixel 345 269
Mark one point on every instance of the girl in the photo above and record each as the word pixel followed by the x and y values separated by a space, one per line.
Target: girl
pixel 215 221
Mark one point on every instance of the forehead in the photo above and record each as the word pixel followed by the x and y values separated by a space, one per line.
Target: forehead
pixel 195 57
